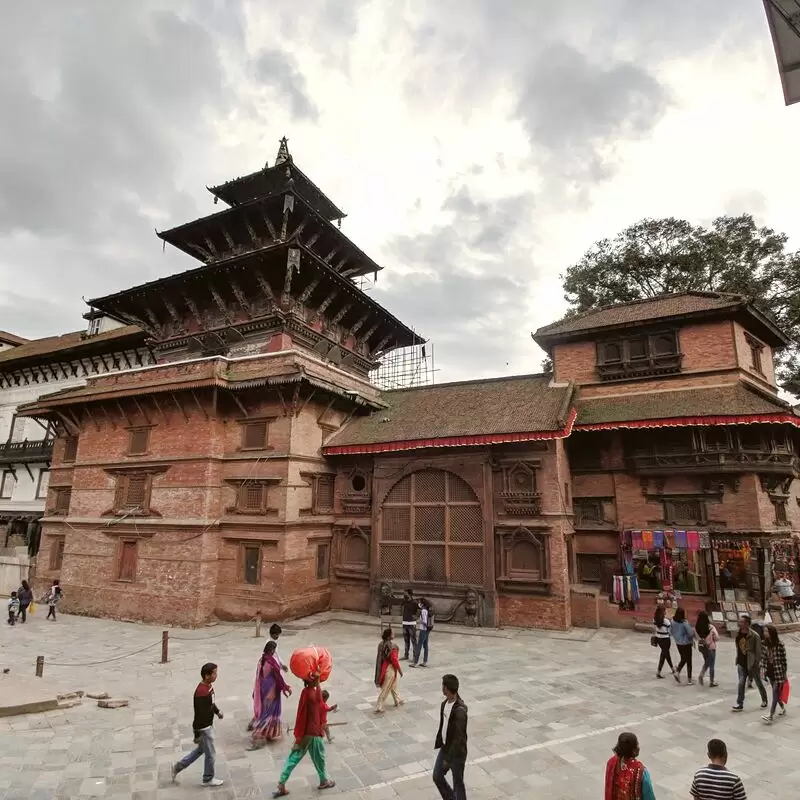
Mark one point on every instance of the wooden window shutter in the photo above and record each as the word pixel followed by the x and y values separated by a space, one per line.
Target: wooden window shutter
pixel 252 564
pixel 63 497
pixel 135 494
pixel 70 449
pixel 254 435
pixel 127 561
pixel 139 442
pixel 324 493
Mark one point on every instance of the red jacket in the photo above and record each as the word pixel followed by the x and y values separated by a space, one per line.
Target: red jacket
pixel 309 713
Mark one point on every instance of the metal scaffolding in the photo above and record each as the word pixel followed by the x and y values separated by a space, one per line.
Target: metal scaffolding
pixel 405 368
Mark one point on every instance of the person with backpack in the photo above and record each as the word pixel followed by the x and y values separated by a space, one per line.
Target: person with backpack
pixel 707 637
pixel 425 624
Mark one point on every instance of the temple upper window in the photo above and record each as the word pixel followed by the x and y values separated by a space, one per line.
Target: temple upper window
pixel 638 355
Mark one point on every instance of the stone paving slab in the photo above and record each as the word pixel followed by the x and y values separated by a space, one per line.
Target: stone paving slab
pixel 24 696
pixel 545 710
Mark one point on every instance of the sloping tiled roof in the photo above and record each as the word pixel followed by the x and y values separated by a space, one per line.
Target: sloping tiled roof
pixel 671 305
pixel 714 401
pixel 11 338
pixel 41 349
pixel 515 405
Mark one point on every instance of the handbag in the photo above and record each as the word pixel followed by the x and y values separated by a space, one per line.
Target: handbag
pixel 785 689
pixel 654 641
pixel 31 608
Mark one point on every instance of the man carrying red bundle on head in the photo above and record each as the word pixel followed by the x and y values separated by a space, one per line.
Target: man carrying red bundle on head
pixel 308 733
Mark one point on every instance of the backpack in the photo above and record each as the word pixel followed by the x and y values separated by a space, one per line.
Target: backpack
pixel 430 619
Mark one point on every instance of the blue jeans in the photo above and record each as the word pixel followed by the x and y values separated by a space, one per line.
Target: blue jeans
pixel 743 683
pixel 205 747
pixel 458 791
pixel 709 661
pixel 422 643
pixel 777 686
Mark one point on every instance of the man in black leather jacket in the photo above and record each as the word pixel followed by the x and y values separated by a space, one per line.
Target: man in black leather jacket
pixel 451 742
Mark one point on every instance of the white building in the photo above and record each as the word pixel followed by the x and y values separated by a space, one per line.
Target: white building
pixel 28 370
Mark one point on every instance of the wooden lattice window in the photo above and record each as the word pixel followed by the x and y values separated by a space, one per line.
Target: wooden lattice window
pixel 252 497
pixel 432 530
pixel 588 510
pixel 684 511
pixel 251 564
pixel 254 435
pixel 756 354
pixel 62 497
pixel 133 493
pixel 57 552
pixel 323 561
pixel 128 561
pixel 70 449
pixel 139 442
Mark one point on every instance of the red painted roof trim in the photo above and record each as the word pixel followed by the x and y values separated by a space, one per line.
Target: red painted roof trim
pixel 679 422
pixel 451 441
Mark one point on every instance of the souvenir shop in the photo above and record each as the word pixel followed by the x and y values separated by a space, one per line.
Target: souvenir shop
pixel 667 563
pixel 746 568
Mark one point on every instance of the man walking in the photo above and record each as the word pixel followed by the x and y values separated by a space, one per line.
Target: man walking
pixel 451 742
pixel 748 661
pixel 716 781
pixel 410 608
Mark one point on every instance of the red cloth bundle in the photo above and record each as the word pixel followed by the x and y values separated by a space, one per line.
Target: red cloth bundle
pixel 311 660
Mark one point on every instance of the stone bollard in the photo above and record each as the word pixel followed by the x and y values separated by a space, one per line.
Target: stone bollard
pixel 39 666
pixel 164 647
pixel 258 625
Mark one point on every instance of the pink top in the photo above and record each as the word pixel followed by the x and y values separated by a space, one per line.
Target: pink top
pixel 712 638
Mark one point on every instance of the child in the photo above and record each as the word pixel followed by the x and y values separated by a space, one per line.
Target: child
pixel 275 631
pixel 325 709
pixel 53 599
pixel 203 726
pixel 13 608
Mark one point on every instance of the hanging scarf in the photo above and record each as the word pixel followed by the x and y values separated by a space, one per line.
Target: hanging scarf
pixel 624 779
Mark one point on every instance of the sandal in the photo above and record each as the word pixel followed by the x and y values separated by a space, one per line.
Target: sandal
pixel 329 784
pixel 281 792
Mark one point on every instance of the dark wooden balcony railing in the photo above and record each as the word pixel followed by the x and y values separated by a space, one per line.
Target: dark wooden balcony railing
pixel 729 460
pixel 20 452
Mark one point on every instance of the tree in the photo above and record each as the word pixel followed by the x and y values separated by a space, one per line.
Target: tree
pixel 659 256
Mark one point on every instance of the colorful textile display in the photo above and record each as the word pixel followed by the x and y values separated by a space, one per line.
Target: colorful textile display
pixel 636 540
pixel 680 539
pixel 704 539
pixel 625 590
pixel 647 540
pixel 669 540
pixel 658 540
pixel 692 540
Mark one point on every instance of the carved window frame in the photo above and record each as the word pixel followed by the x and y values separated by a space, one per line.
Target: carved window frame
pixel 61 500
pixel 127 545
pixel 510 578
pixel 672 518
pixel 139 440
pixel 69 455
pixel 247 425
pixel 242 486
pixel 241 571
pixel 630 365
pixel 318 497
pixel 597 504
pixel 56 552
pixel 350 569
pixel 756 354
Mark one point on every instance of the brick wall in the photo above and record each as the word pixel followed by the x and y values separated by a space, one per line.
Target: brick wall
pixel 584 607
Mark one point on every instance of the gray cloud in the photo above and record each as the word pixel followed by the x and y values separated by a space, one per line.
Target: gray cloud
pixel 276 70
pixel 464 293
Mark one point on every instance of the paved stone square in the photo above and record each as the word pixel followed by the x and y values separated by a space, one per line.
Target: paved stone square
pixel 545 710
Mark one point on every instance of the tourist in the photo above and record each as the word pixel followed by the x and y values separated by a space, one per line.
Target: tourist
pixel 707 645
pixel 410 609
pixel 773 663
pixel 203 726
pixel 53 598
pixel 269 688
pixel 13 608
pixel 275 631
pixel 425 624
pixel 626 777
pixel 451 742
pixel 661 638
pixel 326 709
pixel 784 588
pixel 25 595
pixel 387 671
pixel 716 781
pixel 307 737
pixel 748 661
pixel 683 634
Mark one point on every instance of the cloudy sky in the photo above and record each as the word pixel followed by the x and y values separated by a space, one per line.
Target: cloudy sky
pixel 478 146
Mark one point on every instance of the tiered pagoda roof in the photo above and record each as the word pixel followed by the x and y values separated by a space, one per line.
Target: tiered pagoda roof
pixel 273 260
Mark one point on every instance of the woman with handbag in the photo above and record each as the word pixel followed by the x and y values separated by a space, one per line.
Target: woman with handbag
pixel 707 646
pixel 773 664
pixel 661 639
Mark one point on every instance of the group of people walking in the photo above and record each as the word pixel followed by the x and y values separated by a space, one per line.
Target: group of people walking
pixel 418 622
pixel 627 778
pixel 759 656
pixel 21 602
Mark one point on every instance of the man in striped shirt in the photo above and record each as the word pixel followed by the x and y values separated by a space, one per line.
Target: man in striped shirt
pixel 716 782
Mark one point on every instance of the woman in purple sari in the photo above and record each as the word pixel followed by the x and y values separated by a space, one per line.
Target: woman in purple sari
pixel 270 685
